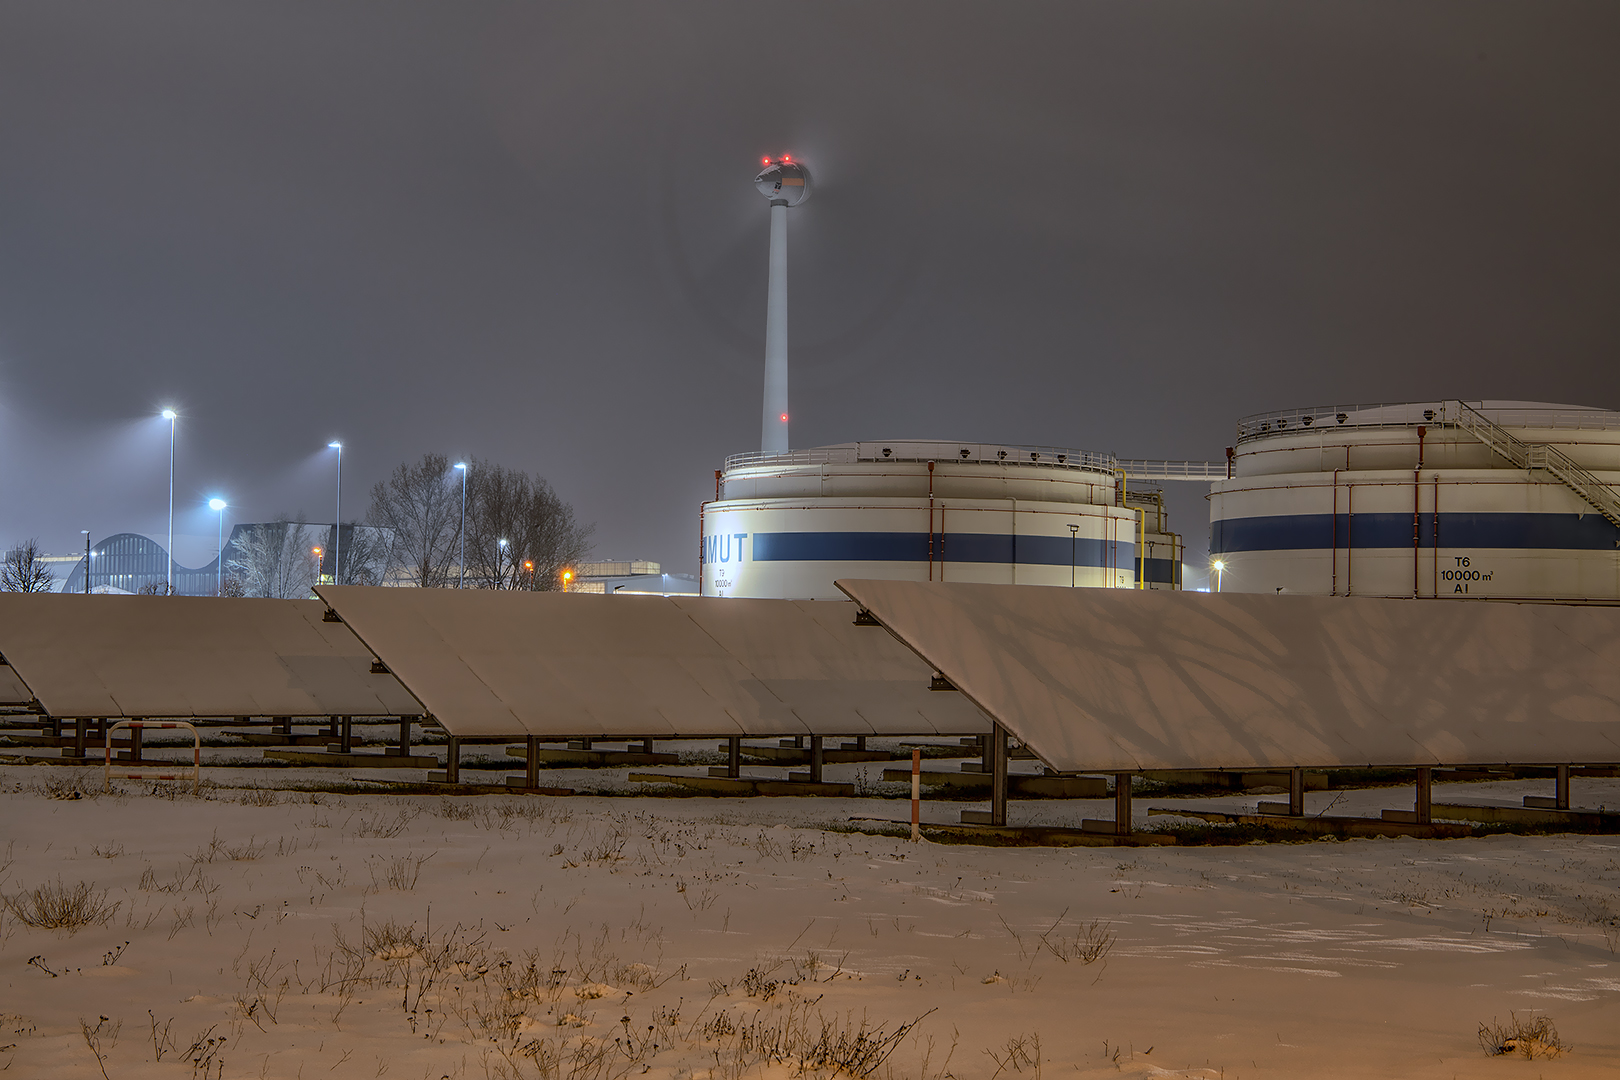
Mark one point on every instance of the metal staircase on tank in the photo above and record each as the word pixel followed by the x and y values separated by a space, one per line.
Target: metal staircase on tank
pixel 1538 456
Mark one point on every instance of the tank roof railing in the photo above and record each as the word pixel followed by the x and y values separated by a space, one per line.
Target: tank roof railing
pixel 906 450
pixel 1412 413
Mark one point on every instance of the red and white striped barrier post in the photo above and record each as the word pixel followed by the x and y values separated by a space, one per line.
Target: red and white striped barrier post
pixel 916 794
pixel 137 726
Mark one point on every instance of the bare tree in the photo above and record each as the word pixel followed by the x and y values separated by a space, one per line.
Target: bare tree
pixel 275 559
pixel 520 534
pixel 24 569
pixel 420 505
pixel 364 554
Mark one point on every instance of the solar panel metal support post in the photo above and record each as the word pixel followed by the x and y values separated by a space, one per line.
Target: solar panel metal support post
pixel 734 757
pixel 1561 788
pixel 1296 792
pixel 860 742
pixel 452 761
pixel 816 759
pixel 345 733
pixel 134 740
pixel 531 774
pixel 1422 806
pixel 283 725
pixel 405 736
pixel 646 746
pixel 1122 804
pixel 78 736
pixel 987 761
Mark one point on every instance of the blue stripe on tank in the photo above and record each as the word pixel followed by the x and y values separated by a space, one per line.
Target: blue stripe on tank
pixel 1297 532
pixel 950 547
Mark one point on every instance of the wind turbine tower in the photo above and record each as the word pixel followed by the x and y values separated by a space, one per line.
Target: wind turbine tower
pixel 785 183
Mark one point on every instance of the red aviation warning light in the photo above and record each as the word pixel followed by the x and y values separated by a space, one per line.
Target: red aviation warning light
pixel 784 418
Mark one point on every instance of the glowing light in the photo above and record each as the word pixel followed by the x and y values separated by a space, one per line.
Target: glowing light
pixel 462 465
pixel 216 504
pixel 169 414
pixel 766 161
pixel 784 418
pixel 334 446
pixel 786 158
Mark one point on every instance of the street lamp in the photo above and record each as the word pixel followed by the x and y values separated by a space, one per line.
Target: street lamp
pixel 317 552
pixel 219 551
pixel 86 533
pixel 462 465
pixel 1219 566
pixel 528 564
pixel 567 577
pixel 337 527
pixel 500 563
pixel 170 415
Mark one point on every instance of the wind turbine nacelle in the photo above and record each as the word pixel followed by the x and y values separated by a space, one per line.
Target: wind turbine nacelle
pixel 784 181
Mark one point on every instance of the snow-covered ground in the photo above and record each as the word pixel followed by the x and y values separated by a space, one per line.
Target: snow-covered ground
pixel 593 938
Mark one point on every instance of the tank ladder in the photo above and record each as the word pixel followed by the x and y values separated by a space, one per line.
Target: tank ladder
pixel 1532 456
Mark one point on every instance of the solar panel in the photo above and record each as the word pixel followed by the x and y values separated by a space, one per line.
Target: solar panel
pixel 518 663
pixel 185 656
pixel 12 690
pixel 1121 680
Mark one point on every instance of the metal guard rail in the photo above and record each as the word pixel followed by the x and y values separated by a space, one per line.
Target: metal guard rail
pixel 137 725
pixel 989 453
pixel 1412 413
pixel 1053 457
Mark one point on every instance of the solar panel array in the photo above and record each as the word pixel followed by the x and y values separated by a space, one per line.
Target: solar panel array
pixel 1119 680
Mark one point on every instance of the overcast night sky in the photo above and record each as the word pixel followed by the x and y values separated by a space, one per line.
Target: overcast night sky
pixel 527 232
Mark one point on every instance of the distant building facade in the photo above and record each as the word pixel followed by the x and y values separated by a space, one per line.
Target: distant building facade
pixel 129 562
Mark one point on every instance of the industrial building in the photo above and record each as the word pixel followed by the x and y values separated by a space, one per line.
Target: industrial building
pixel 1485 499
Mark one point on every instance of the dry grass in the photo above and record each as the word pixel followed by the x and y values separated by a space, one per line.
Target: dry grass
pixel 1533 1037
pixel 55 906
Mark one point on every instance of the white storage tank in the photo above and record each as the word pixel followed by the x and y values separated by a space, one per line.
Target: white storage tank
pixel 1493 499
pixel 786 525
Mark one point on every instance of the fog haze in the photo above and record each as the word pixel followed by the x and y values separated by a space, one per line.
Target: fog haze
pixel 527 233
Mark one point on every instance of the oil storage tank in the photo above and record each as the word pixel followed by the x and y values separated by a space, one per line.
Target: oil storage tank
pixel 1465 500
pixel 787 524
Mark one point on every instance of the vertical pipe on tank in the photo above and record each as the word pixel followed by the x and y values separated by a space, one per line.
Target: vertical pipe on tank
pixel 930 521
pixel 1335 533
pixel 1417 529
pixel 1435 586
pixel 1349 533
pixel 774 427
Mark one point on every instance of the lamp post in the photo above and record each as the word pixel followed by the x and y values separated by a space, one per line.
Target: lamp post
pixel 528 565
pixel 1074 544
pixel 86 561
pixel 319 554
pixel 218 505
pixel 337 526
pixel 462 465
pixel 567 579
pixel 501 561
pixel 1219 566
pixel 170 415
